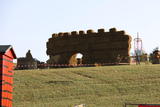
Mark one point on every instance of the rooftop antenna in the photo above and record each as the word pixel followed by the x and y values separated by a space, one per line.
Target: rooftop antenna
pixel 138 48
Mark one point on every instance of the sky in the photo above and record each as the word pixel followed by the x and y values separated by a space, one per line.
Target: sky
pixel 28 24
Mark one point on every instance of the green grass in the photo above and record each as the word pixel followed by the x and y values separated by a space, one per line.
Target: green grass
pixel 107 86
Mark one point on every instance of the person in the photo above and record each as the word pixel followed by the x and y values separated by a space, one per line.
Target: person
pixel 137 59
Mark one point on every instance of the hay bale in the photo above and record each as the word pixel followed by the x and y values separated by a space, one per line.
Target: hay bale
pixel 54 35
pixel 90 31
pixel 74 33
pixel 66 34
pixel 81 32
pixel 109 43
pixel 121 32
pixel 101 30
pixel 60 34
pixel 112 30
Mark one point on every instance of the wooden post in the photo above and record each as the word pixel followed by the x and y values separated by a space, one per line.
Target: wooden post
pixel 6 75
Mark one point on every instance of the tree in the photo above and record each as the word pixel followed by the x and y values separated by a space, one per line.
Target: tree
pixel 155 56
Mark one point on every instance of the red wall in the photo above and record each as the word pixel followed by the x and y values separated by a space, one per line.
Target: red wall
pixel 6 77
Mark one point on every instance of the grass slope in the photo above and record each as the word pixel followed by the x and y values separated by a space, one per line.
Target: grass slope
pixel 107 86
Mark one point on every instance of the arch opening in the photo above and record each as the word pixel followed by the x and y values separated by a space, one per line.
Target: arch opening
pixel 76 58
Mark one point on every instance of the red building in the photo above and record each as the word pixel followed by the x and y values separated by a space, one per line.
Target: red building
pixel 6 75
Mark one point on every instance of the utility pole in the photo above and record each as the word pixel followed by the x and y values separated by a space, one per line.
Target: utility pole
pixel 138 48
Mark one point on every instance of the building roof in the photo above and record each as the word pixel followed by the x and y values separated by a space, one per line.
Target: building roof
pixel 4 48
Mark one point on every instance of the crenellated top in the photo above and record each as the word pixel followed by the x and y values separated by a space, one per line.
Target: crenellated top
pixel 88 32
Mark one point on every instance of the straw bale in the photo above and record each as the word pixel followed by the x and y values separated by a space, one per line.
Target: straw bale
pixel 90 31
pixel 60 34
pixel 74 33
pixel 121 32
pixel 81 32
pixel 112 30
pixel 54 35
pixel 100 47
pixel 101 30
pixel 66 34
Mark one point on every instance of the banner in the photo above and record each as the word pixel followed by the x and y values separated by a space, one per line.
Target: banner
pixel 141 105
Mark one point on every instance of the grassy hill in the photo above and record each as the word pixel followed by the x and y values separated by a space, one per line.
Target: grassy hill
pixel 107 86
